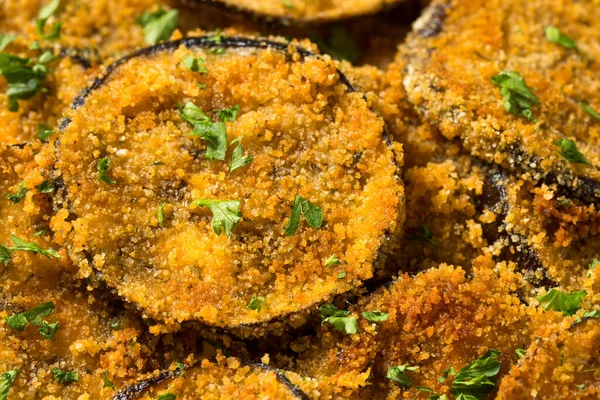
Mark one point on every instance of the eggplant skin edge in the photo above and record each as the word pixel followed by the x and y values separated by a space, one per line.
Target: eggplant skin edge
pixel 131 392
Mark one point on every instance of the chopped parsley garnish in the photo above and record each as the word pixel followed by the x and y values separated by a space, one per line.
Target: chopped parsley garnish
pixel 48 331
pixel 217 50
pixel 554 35
pixel 287 4
pixel 44 132
pixel 238 160
pixel 568 149
pixel 226 214
pixel 159 213
pixel 567 303
pixel 195 64
pixel 19 195
pixel 446 373
pixel 425 235
pixel 34 316
pixel 21 245
pixel 63 377
pixel 587 315
pixel 24 77
pixel 375 316
pixel 215 133
pixel 257 303
pixel 340 45
pixel 398 374
pixel 592 267
pixel 582 386
pixel 167 396
pixel 520 352
pixel 476 380
pixel 5 40
pixel 180 368
pixel 518 98
pixel 158 25
pixel 331 261
pixel 46 187
pixel 217 38
pixel 45 13
pixel 5 254
pixel 103 166
pixel 40 233
pixel 6 381
pixel 341 275
pixel 586 107
pixel 229 114
pixel 340 319
pixel 107 382
pixel 312 213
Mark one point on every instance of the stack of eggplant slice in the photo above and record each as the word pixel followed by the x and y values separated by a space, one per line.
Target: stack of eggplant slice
pixel 250 199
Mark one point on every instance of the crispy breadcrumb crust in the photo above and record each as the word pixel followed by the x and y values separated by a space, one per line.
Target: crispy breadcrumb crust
pixel 308 135
pixel 456 48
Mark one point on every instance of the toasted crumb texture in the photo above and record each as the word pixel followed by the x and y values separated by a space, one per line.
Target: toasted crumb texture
pixel 561 365
pixel 457 47
pixel 224 378
pixel 308 135
pixel 305 11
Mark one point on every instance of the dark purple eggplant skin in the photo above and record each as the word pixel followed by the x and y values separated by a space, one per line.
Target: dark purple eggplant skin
pixel 132 392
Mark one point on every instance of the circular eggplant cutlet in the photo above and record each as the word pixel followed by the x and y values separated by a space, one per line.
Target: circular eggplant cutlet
pixel 224 378
pixel 517 81
pixel 228 182
pixel 562 363
pixel 301 11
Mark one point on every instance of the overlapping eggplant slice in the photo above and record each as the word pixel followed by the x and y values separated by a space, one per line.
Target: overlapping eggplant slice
pixel 224 378
pixel 538 119
pixel 131 173
pixel 300 11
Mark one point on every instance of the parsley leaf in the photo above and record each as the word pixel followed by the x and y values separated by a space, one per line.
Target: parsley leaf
pixel 425 235
pixel 63 377
pixel 107 382
pixel 215 133
pixel 48 331
pixel 217 38
pixel 333 260
pixel 19 195
pixel 375 316
pixel 568 149
pixel 587 315
pixel 341 275
pixel 340 45
pixel 5 254
pixel 167 396
pixel 159 213
pixel 476 380
pixel 21 245
pixel 44 132
pixel 195 64
pixel 591 267
pixel 554 35
pixel 257 303
pixel 520 352
pixel 226 214
pixel 46 187
pixel 237 160
pixel 340 319
pixel 24 77
pixel 229 114
pixel 103 165
pixel 567 303
pixel 45 13
pixel 5 40
pixel 446 372
pixel 586 107
pixel 398 374
pixel 518 98
pixel 158 25
pixel 312 213
pixel 6 380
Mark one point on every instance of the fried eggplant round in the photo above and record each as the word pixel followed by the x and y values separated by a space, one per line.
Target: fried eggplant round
pixel 225 378
pixel 226 181
pixel 516 81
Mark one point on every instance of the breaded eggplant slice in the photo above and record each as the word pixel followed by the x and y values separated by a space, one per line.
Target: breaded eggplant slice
pixel 301 11
pixel 132 171
pixel 536 52
pixel 560 365
pixel 225 378
pixel 83 332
